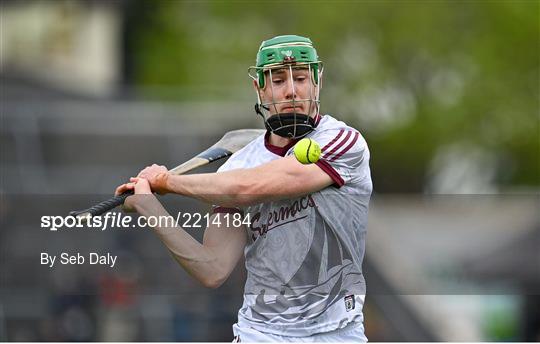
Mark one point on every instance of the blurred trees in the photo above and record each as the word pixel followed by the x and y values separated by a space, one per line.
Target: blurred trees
pixel 446 92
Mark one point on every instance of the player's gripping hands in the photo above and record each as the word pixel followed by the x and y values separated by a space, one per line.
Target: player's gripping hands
pixel 157 176
pixel 150 179
pixel 140 186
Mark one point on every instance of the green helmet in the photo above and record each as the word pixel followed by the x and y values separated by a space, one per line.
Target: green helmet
pixel 284 50
pixel 287 52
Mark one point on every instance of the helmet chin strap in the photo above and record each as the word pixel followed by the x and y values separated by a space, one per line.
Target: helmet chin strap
pixel 258 110
pixel 288 125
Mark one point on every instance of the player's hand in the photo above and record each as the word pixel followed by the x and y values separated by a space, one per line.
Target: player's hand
pixel 157 178
pixel 140 186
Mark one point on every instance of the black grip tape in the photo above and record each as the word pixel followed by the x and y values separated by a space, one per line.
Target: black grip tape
pixel 104 206
pixel 213 154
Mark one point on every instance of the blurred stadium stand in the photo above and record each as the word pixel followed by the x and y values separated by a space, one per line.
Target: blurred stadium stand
pixel 57 143
pixel 71 127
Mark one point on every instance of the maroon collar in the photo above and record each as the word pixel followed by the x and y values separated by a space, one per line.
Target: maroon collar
pixel 281 151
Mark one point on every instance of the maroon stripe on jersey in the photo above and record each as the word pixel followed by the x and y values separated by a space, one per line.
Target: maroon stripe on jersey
pixel 338 146
pixel 328 169
pixel 334 158
pixel 317 120
pixel 333 140
pixel 224 210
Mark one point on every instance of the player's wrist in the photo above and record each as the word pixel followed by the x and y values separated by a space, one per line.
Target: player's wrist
pixel 161 184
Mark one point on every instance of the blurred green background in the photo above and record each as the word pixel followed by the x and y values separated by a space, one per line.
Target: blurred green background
pixel 446 94
pixel 431 84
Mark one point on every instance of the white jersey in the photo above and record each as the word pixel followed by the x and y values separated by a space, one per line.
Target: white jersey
pixel 304 256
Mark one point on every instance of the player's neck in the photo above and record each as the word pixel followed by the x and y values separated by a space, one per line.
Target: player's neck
pixel 278 141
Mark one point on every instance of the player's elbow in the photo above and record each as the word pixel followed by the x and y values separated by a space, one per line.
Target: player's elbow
pixel 213 282
pixel 215 277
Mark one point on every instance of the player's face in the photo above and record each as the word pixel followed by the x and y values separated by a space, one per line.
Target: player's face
pixel 289 90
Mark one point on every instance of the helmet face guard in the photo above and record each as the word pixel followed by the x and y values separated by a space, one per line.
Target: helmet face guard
pixel 287 54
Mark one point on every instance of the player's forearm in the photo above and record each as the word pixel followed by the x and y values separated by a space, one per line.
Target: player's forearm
pixel 198 260
pixel 235 188
pixel 275 180
pixel 278 179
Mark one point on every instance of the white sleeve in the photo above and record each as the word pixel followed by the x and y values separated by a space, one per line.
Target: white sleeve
pixel 344 155
pixel 231 164
pixel 226 165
